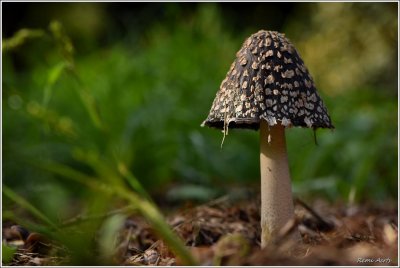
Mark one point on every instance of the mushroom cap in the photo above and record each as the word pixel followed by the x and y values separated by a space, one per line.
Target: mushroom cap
pixel 268 80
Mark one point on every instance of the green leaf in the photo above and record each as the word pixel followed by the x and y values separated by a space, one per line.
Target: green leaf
pixel 53 76
pixel 107 239
pixel 7 253
pixel 20 37
pixel 28 206
pixel 146 208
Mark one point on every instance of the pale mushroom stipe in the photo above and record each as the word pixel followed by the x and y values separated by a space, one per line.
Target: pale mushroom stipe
pixel 269 88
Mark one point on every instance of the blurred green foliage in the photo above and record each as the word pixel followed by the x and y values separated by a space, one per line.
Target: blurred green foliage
pixel 7 254
pixel 121 100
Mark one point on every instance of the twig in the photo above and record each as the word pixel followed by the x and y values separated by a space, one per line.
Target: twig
pixel 82 218
pixel 325 225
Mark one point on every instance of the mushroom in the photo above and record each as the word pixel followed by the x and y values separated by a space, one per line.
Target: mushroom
pixel 269 88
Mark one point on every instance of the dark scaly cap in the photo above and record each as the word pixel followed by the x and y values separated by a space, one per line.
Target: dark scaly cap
pixel 268 80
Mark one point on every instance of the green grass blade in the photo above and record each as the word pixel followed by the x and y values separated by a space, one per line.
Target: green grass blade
pixel 7 253
pixel 132 180
pixel 26 205
pixel 146 208
pixel 20 37
pixel 53 76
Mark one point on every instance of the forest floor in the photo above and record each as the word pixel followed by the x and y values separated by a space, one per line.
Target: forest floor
pixel 227 232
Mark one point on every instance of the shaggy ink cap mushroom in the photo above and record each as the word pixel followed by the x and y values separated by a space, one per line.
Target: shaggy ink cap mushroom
pixel 269 88
pixel 268 80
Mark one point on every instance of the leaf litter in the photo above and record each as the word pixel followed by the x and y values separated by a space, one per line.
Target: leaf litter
pixel 226 231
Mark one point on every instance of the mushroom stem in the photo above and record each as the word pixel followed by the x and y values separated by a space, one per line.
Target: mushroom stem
pixel 276 193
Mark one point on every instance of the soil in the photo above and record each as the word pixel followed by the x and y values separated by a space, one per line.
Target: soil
pixel 227 232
